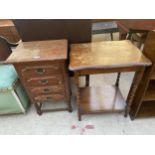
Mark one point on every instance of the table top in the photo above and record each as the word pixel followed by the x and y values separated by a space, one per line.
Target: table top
pixel 106 54
pixel 39 51
pixel 136 24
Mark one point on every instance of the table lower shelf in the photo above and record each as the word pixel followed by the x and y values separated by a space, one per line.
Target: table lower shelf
pixel 101 99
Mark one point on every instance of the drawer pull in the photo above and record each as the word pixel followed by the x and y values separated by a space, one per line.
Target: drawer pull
pixel 43 82
pixel 49 98
pixel 46 90
pixel 40 71
pixel 60 82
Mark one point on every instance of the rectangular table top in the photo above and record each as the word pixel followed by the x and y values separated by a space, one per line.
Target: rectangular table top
pixel 39 51
pixel 106 54
pixel 136 24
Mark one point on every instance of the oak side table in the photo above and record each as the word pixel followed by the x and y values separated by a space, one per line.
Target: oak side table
pixel 41 66
pixel 106 57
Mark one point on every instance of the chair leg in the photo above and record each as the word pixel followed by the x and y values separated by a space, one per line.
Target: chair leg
pixel 111 36
pixel 129 36
pixel 118 79
pixel 79 115
pixel 122 36
pixel 126 114
pixel 69 105
pixel 139 45
pixel 87 80
pixel 38 109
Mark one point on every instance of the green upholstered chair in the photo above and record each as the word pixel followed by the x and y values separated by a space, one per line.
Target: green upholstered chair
pixel 13 98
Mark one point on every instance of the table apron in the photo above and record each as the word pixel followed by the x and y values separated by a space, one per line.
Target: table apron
pixel 109 70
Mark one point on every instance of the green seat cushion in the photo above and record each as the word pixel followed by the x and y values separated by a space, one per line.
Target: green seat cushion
pixel 8 76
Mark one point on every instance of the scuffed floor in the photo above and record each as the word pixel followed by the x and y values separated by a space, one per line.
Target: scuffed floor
pixel 65 123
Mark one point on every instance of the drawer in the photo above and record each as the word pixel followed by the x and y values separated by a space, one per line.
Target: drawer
pixel 38 71
pixel 51 97
pixel 47 90
pixel 45 81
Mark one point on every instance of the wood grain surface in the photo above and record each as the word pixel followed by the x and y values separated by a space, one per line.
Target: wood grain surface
pixel 39 51
pixel 108 54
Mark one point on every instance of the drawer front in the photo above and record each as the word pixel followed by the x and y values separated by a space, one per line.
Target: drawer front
pixel 47 90
pixel 45 81
pixel 38 71
pixel 51 97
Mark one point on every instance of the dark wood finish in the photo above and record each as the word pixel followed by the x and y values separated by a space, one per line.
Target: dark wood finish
pixel 45 80
pixel 134 26
pixel 41 66
pixel 39 70
pixel 87 80
pixel 134 86
pixel 150 93
pixel 153 74
pixel 110 70
pixel 147 109
pixel 105 57
pixel 49 97
pixel 47 89
pixel 74 30
pixel 8 30
pixel 144 103
pixel 5 48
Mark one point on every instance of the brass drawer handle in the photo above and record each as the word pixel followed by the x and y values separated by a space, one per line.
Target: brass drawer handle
pixel 46 90
pixel 60 82
pixel 49 98
pixel 43 82
pixel 40 71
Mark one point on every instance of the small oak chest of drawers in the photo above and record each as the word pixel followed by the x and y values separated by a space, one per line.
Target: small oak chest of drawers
pixel 41 66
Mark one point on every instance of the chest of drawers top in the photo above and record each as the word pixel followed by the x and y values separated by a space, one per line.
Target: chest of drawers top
pixel 49 50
